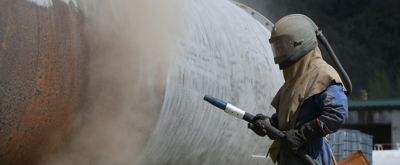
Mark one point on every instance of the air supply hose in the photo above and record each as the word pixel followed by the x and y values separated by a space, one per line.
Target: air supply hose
pixel 338 65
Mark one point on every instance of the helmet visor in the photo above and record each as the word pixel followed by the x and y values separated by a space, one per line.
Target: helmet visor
pixel 281 46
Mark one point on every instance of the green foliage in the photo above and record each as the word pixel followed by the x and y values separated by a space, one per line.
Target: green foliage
pixel 397 85
pixel 379 86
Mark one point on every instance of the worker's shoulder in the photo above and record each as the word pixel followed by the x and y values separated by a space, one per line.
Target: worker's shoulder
pixel 335 87
pixel 334 90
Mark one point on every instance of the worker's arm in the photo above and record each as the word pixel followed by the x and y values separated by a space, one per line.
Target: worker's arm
pixel 334 106
pixel 334 110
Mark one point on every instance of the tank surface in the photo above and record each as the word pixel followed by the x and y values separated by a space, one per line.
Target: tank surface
pixel 231 60
pixel 42 57
pixel 97 82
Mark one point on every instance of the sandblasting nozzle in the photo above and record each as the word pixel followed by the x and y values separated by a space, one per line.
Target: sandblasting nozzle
pixel 229 108
pixel 221 104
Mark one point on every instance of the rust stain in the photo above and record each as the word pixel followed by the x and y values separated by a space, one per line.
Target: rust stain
pixel 44 79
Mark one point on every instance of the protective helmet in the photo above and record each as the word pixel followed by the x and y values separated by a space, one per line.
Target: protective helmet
pixel 292 37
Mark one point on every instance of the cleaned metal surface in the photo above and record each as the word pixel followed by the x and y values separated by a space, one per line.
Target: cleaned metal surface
pixel 224 53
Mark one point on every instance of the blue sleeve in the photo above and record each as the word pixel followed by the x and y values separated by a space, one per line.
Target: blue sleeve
pixel 334 106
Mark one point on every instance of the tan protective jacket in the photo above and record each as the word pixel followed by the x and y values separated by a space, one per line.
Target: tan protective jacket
pixel 309 76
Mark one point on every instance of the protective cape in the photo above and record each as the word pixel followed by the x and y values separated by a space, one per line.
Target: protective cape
pixel 309 76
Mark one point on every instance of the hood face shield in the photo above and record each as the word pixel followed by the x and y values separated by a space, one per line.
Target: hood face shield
pixel 281 47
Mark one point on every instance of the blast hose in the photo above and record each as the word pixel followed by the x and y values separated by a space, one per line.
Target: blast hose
pixel 338 65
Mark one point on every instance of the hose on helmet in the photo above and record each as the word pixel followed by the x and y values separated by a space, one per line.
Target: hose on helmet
pixel 338 65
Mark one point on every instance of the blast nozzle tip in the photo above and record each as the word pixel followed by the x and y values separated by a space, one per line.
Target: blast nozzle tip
pixel 221 104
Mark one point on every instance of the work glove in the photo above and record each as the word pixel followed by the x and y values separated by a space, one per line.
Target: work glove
pixel 297 138
pixel 260 122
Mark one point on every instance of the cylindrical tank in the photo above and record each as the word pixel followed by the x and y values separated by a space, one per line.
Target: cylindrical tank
pixel 123 100
pixel 42 70
pixel 224 53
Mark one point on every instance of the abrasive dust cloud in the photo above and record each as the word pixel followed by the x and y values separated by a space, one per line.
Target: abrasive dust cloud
pixel 130 48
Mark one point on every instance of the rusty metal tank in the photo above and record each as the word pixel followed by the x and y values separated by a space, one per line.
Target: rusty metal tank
pixel 63 67
pixel 42 57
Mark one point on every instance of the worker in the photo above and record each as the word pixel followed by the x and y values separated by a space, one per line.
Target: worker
pixel 311 103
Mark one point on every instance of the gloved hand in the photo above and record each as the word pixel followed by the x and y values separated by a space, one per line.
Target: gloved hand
pixel 293 140
pixel 259 125
pixel 296 138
